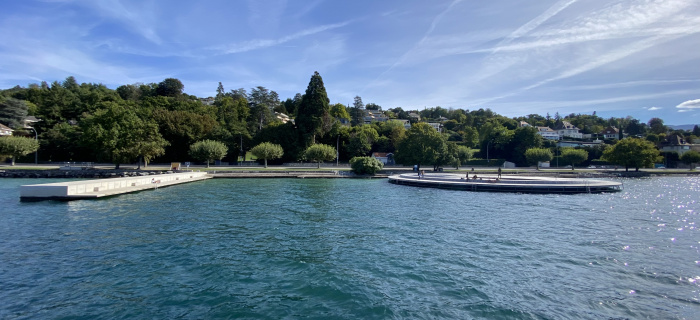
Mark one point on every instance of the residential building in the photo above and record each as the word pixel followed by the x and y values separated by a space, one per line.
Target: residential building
pixel 566 129
pixel 610 133
pixel 676 143
pixel 436 125
pixel 406 123
pixel 374 116
pixel 524 124
pixel 548 133
pixel 5 130
pixel 414 116
pixel 283 117
pixel 385 158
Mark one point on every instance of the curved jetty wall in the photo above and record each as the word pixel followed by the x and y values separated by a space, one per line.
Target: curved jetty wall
pixel 87 189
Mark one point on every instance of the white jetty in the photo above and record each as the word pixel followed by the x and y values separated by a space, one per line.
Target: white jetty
pixel 91 189
pixel 507 183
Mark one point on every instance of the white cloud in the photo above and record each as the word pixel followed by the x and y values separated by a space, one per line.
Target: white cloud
pixel 690 104
pixel 654 108
pixel 265 43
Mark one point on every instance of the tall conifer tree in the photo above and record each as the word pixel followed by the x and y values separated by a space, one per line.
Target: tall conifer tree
pixel 313 116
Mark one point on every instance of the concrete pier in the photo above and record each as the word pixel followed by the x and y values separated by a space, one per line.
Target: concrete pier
pixel 90 189
pixel 515 184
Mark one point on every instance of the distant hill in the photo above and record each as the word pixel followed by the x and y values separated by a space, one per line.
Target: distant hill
pixel 683 126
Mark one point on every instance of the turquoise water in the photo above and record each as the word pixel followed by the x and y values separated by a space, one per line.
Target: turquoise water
pixel 352 249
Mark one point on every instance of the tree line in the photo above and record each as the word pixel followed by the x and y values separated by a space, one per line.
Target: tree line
pixel 160 122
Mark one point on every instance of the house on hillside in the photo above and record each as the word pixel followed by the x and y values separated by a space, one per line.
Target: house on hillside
pixel 524 124
pixel 566 129
pixel 385 158
pixel 610 133
pixel 414 116
pixel 548 133
pixel 374 116
pixel 5 130
pixel 283 117
pixel 436 125
pixel 406 123
pixel 29 121
pixel 676 143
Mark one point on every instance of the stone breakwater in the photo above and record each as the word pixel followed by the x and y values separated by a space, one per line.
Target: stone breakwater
pixel 84 174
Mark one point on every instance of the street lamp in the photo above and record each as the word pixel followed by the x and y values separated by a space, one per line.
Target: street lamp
pixel 337 151
pixel 36 153
pixel 487 152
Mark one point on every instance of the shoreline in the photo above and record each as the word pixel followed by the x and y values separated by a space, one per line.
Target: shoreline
pixel 323 173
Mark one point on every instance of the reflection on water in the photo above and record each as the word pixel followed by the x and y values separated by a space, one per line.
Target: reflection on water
pixel 337 248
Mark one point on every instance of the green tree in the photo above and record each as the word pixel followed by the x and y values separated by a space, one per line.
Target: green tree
pixel 373 106
pixel 365 165
pixel 267 151
pixel 117 133
pixel 464 154
pixel 170 87
pixel 339 112
pixel 319 153
pixel 691 157
pixel 262 103
pixel 422 145
pixel 656 125
pixel 313 116
pixel 632 152
pixel 524 138
pixel 574 156
pixel 537 155
pixel 208 150
pixel 361 140
pixel 358 112
pixel 447 154
pixel 12 112
pixel 14 147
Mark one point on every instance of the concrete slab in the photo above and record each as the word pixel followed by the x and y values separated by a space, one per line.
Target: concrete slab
pixel 90 189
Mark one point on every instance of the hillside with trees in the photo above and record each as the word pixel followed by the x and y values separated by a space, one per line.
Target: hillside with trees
pixel 160 122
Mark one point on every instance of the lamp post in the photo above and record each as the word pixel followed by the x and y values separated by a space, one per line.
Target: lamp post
pixel 487 152
pixel 36 153
pixel 337 151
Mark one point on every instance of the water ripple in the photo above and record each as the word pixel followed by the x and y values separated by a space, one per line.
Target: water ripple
pixel 348 249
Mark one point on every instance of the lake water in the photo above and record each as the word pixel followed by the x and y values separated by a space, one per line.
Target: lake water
pixel 352 249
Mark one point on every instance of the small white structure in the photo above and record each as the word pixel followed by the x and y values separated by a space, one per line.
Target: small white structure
pixel 436 125
pixel 385 158
pixel 5 130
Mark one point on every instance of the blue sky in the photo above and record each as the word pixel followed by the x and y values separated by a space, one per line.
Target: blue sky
pixel 615 57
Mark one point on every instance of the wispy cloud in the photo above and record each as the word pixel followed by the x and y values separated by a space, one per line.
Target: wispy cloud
pixel 543 48
pixel 690 104
pixel 534 23
pixel 266 43
pixel 654 108
pixel 139 20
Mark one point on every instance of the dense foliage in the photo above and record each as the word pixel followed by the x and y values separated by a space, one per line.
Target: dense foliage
pixel 365 165
pixel 159 121
pixel 14 147
pixel 690 158
pixel 632 152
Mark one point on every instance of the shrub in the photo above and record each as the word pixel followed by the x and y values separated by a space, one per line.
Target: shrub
pixel 365 165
